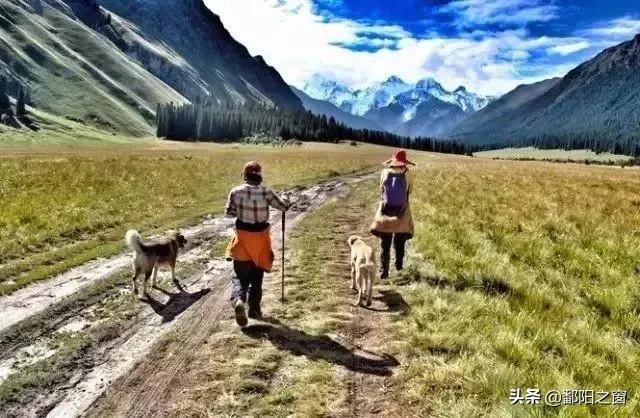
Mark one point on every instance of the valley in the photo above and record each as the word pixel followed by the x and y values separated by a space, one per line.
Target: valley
pixel 521 276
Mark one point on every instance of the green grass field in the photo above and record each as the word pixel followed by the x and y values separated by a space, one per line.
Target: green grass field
pixel 521 274
pixel 526 277
pixel 553 154
pixel 65 206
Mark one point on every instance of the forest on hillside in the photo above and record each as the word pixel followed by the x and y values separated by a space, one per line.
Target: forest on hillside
pixel 7 114
pixel 209 122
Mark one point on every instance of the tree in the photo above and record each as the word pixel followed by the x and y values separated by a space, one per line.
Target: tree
pixel 5 104
pixel 20 105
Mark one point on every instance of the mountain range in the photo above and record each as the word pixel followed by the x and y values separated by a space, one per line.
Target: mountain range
pixel 110 63
pixel 597 103
pixel 421 109
pixel 322 107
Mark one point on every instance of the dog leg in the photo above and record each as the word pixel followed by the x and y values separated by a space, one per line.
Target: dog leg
pixel 155 275
pixel 173 273
pixel 135 283
pixel 359 285
pixel 134 279
pixel 353 277
pixel 147 275
pixel 369 286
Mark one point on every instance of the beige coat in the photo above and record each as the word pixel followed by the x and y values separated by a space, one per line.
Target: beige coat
pixel 397 225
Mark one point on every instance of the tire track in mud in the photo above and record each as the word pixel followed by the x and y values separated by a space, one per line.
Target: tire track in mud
pixel 115 357
pixel 369 392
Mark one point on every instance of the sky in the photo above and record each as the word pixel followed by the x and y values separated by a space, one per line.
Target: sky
pixel 488 46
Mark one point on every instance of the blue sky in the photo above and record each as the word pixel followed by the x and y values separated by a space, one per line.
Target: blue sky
pixel 490 46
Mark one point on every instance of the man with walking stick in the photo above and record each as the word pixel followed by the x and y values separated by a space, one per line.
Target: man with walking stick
pixel 250 247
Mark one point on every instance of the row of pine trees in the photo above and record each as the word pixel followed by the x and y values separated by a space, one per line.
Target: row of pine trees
pixel 230 122
pixel 7 114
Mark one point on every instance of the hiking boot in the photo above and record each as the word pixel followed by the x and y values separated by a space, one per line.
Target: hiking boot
pixel 241 313
pixel 398 266
pixel 255 314
pixel 384 274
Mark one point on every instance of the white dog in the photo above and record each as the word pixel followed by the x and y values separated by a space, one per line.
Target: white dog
pixel 363 268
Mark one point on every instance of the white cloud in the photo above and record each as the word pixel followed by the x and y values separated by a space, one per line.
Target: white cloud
pixel 516 12
pixel 298 42
pixel 568 48
pixel 620 29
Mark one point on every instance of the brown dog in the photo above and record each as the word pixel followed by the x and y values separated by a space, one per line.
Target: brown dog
pixel 363 268
pixel 152 254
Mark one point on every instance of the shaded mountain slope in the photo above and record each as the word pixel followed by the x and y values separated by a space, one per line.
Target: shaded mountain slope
pixel 185 44
pixel 598 102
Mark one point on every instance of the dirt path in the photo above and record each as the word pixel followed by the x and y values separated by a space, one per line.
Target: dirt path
pixel 41 311
pixel 146 390
pixel 369 394
pixel 178 364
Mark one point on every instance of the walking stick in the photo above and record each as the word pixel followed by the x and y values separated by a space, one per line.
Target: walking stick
pixel 284 219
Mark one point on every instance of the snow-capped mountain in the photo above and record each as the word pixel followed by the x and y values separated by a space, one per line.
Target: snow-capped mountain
pixel 378 96
pixel 394 102
pixel 321 88
pixel 471 102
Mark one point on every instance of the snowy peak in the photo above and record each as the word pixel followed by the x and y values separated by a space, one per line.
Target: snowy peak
pixel 394 80
pixel 322 88
pixel 393 92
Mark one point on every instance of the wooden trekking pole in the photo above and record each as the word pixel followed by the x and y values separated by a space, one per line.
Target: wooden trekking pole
pixel 284 222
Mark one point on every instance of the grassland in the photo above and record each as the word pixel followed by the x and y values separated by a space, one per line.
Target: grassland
pixel 552 154
pixel 65 205
pixel 521 275
pixel 526 277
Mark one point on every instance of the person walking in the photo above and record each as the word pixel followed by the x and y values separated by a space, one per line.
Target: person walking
pixel 393 222
pixel 250 248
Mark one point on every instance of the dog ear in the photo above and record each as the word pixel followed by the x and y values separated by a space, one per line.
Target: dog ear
pixel 351 240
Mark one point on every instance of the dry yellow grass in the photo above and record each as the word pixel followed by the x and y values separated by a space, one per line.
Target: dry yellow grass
pixel 65 205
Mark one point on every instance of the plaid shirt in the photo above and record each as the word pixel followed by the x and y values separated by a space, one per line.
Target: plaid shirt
pixel 250 203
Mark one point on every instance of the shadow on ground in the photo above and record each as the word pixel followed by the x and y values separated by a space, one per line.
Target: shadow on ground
pixel 492 286
pixel 321 347
pixel 178 302
pixel 393 300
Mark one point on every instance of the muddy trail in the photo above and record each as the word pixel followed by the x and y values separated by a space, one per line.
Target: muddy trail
pixel 64 341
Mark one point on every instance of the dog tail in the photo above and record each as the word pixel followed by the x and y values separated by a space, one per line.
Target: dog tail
pixel 133 240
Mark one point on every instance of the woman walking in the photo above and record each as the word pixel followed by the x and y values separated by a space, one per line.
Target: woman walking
pixel 393 222
pixel 250 248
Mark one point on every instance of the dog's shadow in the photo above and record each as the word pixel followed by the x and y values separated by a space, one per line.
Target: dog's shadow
pixel 321 347
pixel 393 300
pixel 178 302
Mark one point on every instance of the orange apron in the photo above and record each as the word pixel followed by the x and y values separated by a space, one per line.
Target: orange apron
pixel 252 246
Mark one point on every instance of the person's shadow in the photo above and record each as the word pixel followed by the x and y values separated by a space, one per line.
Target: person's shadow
pixel 177 303
pixel 321 347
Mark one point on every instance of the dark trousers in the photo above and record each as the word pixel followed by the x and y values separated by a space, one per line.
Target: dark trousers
pixel 247 284
pixel 398 241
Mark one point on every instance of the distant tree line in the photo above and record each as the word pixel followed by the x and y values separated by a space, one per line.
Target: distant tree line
pixel 596 142
pixel 231 122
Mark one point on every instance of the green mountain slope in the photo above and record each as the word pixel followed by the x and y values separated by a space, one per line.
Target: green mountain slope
pixel 110 63
pixel 74 71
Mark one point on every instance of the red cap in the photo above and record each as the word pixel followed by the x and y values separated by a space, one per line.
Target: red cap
pixel 399 159
pixel 252 167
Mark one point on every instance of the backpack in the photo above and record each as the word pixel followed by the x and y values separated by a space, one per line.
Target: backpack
pixel 394 194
